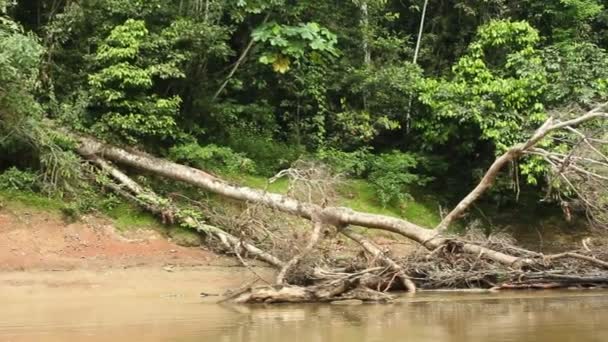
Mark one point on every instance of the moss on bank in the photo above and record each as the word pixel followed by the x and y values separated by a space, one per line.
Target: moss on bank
pixel 28 200
pixel 185 237
pixel 126 217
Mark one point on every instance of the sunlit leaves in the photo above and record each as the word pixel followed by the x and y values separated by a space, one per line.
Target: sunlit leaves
pixel 123 42
pixel 280 64
pixel 577 73
pixel 20 57
pixel 497 85
pixel 290 43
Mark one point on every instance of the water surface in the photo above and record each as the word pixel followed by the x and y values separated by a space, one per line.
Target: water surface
pixel 515 316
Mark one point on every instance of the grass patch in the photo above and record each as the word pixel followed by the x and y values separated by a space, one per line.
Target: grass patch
pixel 127 217
pixel 23 199
pixel 280 186
pixel 360 195
pixel 422 211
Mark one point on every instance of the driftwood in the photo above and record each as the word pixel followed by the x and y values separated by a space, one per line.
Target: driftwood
pixel 316 235
pixel 375 251
pixel 344 288
pixel 464 261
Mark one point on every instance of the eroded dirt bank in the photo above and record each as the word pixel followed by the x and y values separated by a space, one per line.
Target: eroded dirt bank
pixel 44 241
pixel 43 255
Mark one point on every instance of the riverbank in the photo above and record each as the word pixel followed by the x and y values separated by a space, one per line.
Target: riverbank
pixel 45 252
pixel 42 255
pixel 87 280
pixel 34 240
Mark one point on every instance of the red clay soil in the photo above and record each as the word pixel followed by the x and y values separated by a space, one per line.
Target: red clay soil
pixel 44 241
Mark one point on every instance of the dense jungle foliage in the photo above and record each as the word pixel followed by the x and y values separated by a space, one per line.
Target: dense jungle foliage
pixel 250 86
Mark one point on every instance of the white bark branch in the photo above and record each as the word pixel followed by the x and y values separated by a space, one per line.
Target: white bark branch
pixel 314 238
pixel 140 194
pixel 375 251
pixel 512 154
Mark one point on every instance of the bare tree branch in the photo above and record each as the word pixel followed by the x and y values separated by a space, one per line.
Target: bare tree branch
pixel 512 154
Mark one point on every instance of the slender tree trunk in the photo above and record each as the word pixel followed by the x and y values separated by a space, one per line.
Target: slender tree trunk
pixel 238 63
pixel 408 119
pixel 422 18
pixel 367 54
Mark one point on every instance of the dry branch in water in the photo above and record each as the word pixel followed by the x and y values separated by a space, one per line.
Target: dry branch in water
pixel 314 238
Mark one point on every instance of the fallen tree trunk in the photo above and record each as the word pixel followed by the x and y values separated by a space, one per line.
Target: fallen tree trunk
pixel 337 216
pixel 153 203
pixel 347 286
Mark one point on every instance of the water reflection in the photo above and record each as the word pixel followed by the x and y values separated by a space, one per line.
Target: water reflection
pixel 444 318
pixel 535 316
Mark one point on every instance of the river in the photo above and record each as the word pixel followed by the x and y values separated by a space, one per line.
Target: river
pixel 542 316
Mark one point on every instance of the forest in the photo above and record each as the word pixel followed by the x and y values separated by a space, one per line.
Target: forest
pixel 260 123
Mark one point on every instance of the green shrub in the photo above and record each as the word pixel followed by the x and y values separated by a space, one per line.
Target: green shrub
pixel 269 156
pixel 353 164
pixel 18 180
pixel 212 157
pixel 391 175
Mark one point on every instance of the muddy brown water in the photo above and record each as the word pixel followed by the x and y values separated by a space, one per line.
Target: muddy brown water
pixel 154 305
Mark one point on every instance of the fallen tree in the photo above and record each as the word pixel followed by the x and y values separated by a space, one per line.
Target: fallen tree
pixel 499 266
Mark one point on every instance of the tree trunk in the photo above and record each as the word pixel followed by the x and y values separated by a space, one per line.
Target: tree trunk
pixel 151 202
pixel 337 216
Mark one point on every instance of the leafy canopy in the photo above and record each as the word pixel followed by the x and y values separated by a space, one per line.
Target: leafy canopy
pixel 122 90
